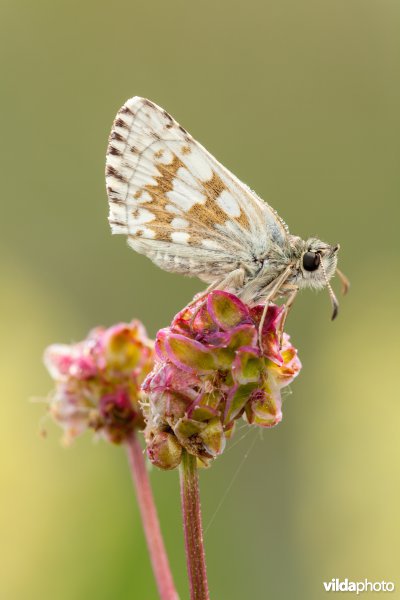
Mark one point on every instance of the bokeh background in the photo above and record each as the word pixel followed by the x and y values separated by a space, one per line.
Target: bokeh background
pixel 301 101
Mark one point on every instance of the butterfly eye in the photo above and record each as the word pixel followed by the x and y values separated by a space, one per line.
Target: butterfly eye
pixel 311 261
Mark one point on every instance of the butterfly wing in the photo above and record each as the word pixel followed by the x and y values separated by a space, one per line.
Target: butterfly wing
pixel 176 203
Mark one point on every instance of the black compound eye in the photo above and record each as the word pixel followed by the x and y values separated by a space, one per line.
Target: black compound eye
pixel 311 261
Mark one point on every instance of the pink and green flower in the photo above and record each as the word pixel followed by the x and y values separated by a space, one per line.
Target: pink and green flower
pixel 212 368
pixel 97 381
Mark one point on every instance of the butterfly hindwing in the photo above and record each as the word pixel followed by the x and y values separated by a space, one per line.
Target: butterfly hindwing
pixel 176 203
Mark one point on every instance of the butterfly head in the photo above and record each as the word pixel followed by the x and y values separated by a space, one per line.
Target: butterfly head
pixel 318 262
pixel 317 265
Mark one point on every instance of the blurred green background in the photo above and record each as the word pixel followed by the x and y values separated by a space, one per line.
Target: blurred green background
pixel 301 100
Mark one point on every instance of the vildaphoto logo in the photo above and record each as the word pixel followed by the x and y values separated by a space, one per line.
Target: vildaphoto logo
pixel 345 585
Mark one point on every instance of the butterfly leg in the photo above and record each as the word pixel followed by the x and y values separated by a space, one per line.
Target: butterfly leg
pixel 202 295
pixel 276 285
pixel 234 279
pixel 288 305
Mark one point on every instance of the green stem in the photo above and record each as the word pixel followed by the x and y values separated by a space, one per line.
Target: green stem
pixel 191 513
pixel 151 526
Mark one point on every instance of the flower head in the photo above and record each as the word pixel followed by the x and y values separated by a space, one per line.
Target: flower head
pixel 97 381
pixel 211 369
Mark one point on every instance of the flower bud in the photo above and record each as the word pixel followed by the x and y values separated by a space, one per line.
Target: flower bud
pixel 164 450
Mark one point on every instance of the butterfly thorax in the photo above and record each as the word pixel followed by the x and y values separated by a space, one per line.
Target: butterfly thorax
pixel 268 267
pixel 287 258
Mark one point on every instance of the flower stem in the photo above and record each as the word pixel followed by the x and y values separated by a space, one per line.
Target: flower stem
pixel 191 513
pixel 155 544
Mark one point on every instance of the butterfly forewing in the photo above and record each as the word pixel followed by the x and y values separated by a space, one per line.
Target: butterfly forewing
pixel 176 203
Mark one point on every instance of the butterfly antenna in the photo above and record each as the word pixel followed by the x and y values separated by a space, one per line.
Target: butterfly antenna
pixel 334 301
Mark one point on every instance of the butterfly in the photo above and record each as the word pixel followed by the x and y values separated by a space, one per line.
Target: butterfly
pixel 186 212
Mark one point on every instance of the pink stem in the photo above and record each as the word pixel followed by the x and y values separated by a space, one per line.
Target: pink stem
pixel 191 512
pixel 155 544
